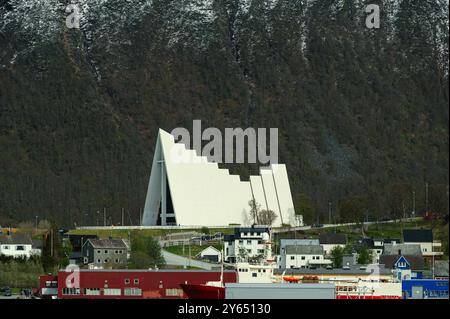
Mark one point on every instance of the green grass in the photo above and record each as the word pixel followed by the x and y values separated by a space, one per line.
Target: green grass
pixel 195 249
pixel 123 233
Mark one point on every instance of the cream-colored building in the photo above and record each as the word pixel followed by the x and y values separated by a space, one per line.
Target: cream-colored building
pixel 186 189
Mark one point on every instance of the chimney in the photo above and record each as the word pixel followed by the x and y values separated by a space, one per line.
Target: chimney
pixel 399 252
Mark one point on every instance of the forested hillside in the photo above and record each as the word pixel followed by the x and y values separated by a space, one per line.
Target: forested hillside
pixel 362 113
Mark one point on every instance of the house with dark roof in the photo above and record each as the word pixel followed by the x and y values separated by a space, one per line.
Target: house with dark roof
pixel 329 241
pixel 16 245
pixel 303 256
pixel 405 261
pixel 101 252
pixel 424 238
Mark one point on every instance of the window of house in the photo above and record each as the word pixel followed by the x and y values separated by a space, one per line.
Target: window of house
pixel 260 242
pixel 106 260
pixel 254 274
pixel 249 242
pixel 20 247
pixel 303 257
pixel 132 292
pixel 241 242
pixel 5 247
pixel 136 281
pixel 120 251
pixel 292 257
pixel 117 260
pixel 99 261
pixel 106 251
pixel 99 251
pixel 127 281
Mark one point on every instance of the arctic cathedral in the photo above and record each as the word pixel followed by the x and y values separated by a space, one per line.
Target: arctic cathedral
pixel 186 189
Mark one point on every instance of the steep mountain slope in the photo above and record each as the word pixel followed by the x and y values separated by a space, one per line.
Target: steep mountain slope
pixel 362 113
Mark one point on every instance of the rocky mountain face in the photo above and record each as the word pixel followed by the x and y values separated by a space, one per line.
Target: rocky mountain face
pixel 362 113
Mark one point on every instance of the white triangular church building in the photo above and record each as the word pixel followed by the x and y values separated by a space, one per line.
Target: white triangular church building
pixel 186 189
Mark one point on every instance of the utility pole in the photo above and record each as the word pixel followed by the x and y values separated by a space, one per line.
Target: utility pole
pixel 329 213
pixel 122 218
pixel 104 216
pixel 426 197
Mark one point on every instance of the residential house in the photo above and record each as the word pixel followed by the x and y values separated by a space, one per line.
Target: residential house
pixel 375 246
pixel 297 242
pixel 405 261
pixel 246 243
pixel 102 252
pixel 36 247
pixel 77 242
pixel 302 256
pixel 331 240
pixel 424 238
pixel 16 245
pixel 210 253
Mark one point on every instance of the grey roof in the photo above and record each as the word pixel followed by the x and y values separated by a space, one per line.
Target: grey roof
pixel 352 270
pixel 416 262
pixel 332 239
pixel 304 250
pixel 402 249
pixel 107 243
pixel 417 235
pixel 37 243
pixel 298 242
pixel 441 268
pixel 15 239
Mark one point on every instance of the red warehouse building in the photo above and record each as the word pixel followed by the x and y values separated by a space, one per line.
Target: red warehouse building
pixel 128 284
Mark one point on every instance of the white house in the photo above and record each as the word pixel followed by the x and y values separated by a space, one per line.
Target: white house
pixel 16 245
pixel 246 243
pixel 210 253
pixel 303 256
pixel 329 241
pixel 423 238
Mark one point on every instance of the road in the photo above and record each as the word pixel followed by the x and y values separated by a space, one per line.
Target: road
pixel 173 259
pixel 284 230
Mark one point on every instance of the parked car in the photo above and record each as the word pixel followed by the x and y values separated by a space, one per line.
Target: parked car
pixel 6 291
pixel 218 235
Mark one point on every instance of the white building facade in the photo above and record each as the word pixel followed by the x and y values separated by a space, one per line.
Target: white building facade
pixel 302 256
pixel 186 189
pixel 246 243
pixel 17 246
